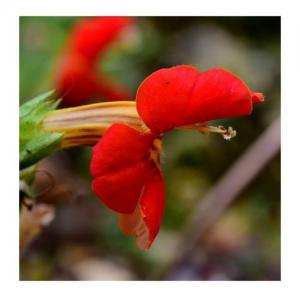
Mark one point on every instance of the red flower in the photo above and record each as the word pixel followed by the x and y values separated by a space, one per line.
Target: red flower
pixel 125 162
pixel 77 79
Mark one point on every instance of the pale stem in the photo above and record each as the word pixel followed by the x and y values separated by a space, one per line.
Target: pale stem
pixel 84 125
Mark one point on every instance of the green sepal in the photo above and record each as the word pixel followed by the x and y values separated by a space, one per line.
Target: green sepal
pixel 27 174
pixel 35 141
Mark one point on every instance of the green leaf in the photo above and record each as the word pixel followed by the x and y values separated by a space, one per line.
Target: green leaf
pixel 35 141
pixel 27 175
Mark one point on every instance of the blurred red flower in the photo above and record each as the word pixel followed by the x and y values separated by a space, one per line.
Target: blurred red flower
pixel 126 162
pixel 77 79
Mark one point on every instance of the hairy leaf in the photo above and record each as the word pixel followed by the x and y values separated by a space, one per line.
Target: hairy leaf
pixel 35 141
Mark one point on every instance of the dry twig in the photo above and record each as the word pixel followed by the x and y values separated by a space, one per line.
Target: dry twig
pixel 213 205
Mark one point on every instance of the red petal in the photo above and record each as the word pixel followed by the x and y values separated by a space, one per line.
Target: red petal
pixel 145 222
pixel 121 189
pixel 91 36
pixel 111 90
pixel 121 163
pixel 75 81
pixel 181 96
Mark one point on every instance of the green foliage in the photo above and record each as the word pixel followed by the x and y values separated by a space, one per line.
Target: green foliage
pixel 35 141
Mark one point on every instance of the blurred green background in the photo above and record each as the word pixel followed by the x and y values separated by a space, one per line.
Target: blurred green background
pixel 84 242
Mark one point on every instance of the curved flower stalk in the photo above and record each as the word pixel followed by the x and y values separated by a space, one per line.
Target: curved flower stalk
pixel 85 125
pixel 128 136
pixel 77 79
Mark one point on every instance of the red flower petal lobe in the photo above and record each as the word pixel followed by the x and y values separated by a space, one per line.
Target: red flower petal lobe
pixel 120 164
pixel 76 77
pixel 91 36
pixel 77 82
pixel 181 95
pixel 74 80
pixel 145 221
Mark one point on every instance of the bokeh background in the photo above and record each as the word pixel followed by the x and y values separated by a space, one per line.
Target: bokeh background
pixel 70 235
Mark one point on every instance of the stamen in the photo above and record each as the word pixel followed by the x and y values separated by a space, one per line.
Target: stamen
pixel 227 134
